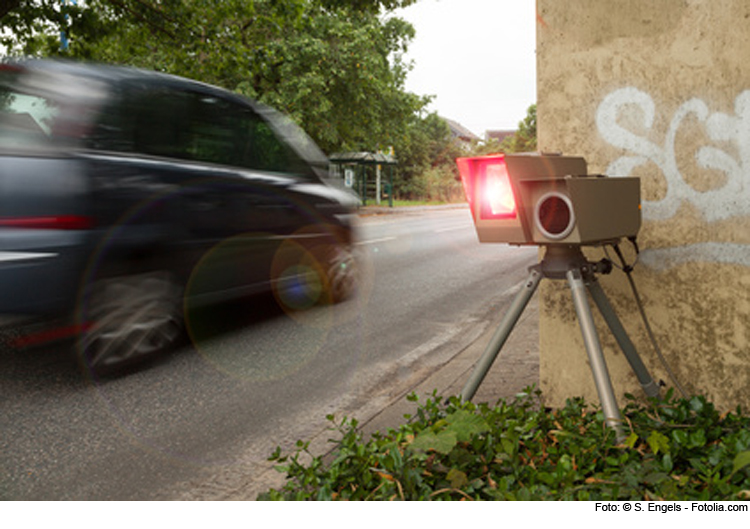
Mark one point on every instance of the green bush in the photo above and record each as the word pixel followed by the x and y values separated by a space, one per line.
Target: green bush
pixel 434 184
pixel 677 449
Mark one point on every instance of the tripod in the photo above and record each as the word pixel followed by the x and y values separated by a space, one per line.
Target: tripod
pixel 568 262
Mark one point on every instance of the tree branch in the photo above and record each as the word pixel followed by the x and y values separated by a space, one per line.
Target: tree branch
pixel 6 6
pixel 143 19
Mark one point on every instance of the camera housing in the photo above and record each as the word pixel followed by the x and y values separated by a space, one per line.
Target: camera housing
pixel 542 199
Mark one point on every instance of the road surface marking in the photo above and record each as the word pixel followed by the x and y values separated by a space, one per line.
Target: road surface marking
pixel 454 228
pixel 376 241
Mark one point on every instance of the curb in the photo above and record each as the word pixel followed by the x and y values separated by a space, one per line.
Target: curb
pixel 369 211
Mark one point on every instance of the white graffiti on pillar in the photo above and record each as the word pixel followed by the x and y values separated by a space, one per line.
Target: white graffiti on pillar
pixel 732 199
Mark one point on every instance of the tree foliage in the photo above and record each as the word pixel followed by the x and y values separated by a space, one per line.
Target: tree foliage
pixel 335 66
pixel 523 140
pixel 427 157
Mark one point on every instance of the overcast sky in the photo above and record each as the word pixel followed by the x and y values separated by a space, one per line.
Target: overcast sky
pixel 477 57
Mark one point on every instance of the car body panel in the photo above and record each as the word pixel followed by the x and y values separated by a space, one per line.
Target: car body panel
pixel 99 172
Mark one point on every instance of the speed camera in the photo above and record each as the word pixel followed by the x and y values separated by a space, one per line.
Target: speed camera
pixel 536 199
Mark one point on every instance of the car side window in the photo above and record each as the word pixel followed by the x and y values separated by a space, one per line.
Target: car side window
pixel 195 126
pixel 161 123
pixel 212 134
pixel 229 133
pixel 264 151
pixel 143 120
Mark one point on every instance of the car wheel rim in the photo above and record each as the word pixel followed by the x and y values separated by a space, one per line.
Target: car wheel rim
pixel 342 272
pixel 129 318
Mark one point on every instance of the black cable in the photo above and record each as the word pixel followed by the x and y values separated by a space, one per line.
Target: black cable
pixel 628 269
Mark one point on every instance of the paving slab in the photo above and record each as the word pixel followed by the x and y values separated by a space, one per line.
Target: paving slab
pixel 514 369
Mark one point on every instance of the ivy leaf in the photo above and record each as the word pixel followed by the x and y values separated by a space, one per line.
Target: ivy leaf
pixel 658 442
pixel 446 433
pixel 741 460
pixel 655 477
pixel 441 442
pixel 631 440
pixel 466 424
pixel 457 478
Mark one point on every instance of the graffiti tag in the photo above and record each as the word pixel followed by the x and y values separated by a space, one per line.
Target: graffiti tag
pixel 731 199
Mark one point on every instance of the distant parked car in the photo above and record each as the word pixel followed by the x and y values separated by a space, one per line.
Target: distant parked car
pixel 127 197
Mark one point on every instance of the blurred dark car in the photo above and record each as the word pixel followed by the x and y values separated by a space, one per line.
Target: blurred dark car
pixel 128 197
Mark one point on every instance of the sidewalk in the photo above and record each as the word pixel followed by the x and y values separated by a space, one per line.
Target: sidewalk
pixel 514 369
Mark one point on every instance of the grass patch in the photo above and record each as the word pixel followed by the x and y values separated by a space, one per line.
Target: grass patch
pixel 406 203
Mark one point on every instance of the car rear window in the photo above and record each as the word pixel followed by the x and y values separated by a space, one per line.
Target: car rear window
pixel 26 119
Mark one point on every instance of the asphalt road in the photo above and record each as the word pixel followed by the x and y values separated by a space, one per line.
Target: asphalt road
pixel 200 422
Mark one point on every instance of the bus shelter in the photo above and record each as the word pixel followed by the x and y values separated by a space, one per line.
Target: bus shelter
pixel 363 173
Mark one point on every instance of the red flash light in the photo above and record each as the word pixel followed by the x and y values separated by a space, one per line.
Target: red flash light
pixel 498 201
pixel 485 179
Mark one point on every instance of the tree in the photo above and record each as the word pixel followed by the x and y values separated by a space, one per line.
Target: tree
pixel 427 167
pixel 335 66
pixel 524 140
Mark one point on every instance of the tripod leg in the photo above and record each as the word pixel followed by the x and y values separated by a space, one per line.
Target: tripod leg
pixel 596 357
pixel 650 387
pixel 501 334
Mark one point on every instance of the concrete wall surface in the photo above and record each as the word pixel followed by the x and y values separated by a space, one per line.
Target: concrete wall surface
pixel 659 90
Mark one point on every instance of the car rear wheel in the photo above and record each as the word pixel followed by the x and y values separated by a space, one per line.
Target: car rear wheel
pixel 127 319
pixel 341 272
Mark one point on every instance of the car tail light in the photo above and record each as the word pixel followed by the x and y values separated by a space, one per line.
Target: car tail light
pixel 56 222
pixel 10 68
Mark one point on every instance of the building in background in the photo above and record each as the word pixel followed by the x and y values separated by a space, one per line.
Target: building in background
pixel 461 133
pixel 498 135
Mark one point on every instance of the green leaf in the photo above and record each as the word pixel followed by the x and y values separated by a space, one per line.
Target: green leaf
pixel 457 478
pixel 466 424
pixel 509 446
pixel 667 463
pixel 697 439
pixel 655 477
pixel 692 461
pixel 461 425
pixel 741 460
pixel 658 442
pixel 696 404
pixel 680 438
pixel 442 442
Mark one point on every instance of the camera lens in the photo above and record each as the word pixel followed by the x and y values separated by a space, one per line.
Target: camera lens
pixel 554 216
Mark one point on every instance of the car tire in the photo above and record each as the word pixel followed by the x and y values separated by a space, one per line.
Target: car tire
pixel 126 319
pixel 341 273
pixel 303 277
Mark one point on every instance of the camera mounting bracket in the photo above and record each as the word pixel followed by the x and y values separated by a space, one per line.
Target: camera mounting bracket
pixel 568 263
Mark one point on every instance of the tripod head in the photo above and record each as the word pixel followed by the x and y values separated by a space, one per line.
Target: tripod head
pixel 560 259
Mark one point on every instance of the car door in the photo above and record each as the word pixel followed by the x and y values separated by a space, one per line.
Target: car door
pixel 159 182
pixel 292 223
pixel 245 211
